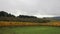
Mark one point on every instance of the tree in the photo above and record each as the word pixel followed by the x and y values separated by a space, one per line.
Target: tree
pixel 10 15
pixel 5 14
pixel 26 16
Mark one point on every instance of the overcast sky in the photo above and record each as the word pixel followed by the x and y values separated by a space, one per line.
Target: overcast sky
pixel 40 8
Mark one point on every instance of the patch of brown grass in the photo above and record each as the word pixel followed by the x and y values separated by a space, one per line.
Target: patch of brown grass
pixel 4 23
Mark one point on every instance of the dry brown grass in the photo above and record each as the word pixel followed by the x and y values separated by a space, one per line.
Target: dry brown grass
pixel 4 23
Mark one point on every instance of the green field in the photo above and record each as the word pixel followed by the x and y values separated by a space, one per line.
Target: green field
pixel 30 30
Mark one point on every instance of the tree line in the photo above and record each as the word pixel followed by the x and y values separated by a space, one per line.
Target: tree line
pixel 4 16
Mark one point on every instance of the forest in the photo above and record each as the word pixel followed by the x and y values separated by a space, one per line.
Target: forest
pixel 4 16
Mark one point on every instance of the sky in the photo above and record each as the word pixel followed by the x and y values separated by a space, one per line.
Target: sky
pixel 39 8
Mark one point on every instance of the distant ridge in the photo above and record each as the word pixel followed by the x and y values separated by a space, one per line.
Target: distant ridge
pixel 57 17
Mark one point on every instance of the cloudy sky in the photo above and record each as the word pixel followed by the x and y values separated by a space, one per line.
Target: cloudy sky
pixel 39 8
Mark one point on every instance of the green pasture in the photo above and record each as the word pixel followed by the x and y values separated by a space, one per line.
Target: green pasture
pixel 30 30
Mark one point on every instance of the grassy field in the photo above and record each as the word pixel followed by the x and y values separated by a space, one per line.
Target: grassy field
pixel 30 30
pixel 5 23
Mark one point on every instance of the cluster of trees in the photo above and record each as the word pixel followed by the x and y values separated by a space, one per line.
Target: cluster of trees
pixel 4 16
pixel 26 16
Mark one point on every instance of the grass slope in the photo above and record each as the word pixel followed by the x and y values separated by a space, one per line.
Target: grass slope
pixel 30 30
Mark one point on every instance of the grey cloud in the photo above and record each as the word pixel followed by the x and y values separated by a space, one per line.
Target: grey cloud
pixel 31 7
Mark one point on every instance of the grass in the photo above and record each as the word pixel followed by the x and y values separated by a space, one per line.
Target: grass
pixel 5 23
pixel 30 30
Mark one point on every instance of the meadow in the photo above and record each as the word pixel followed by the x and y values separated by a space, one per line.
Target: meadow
pixel 30 30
